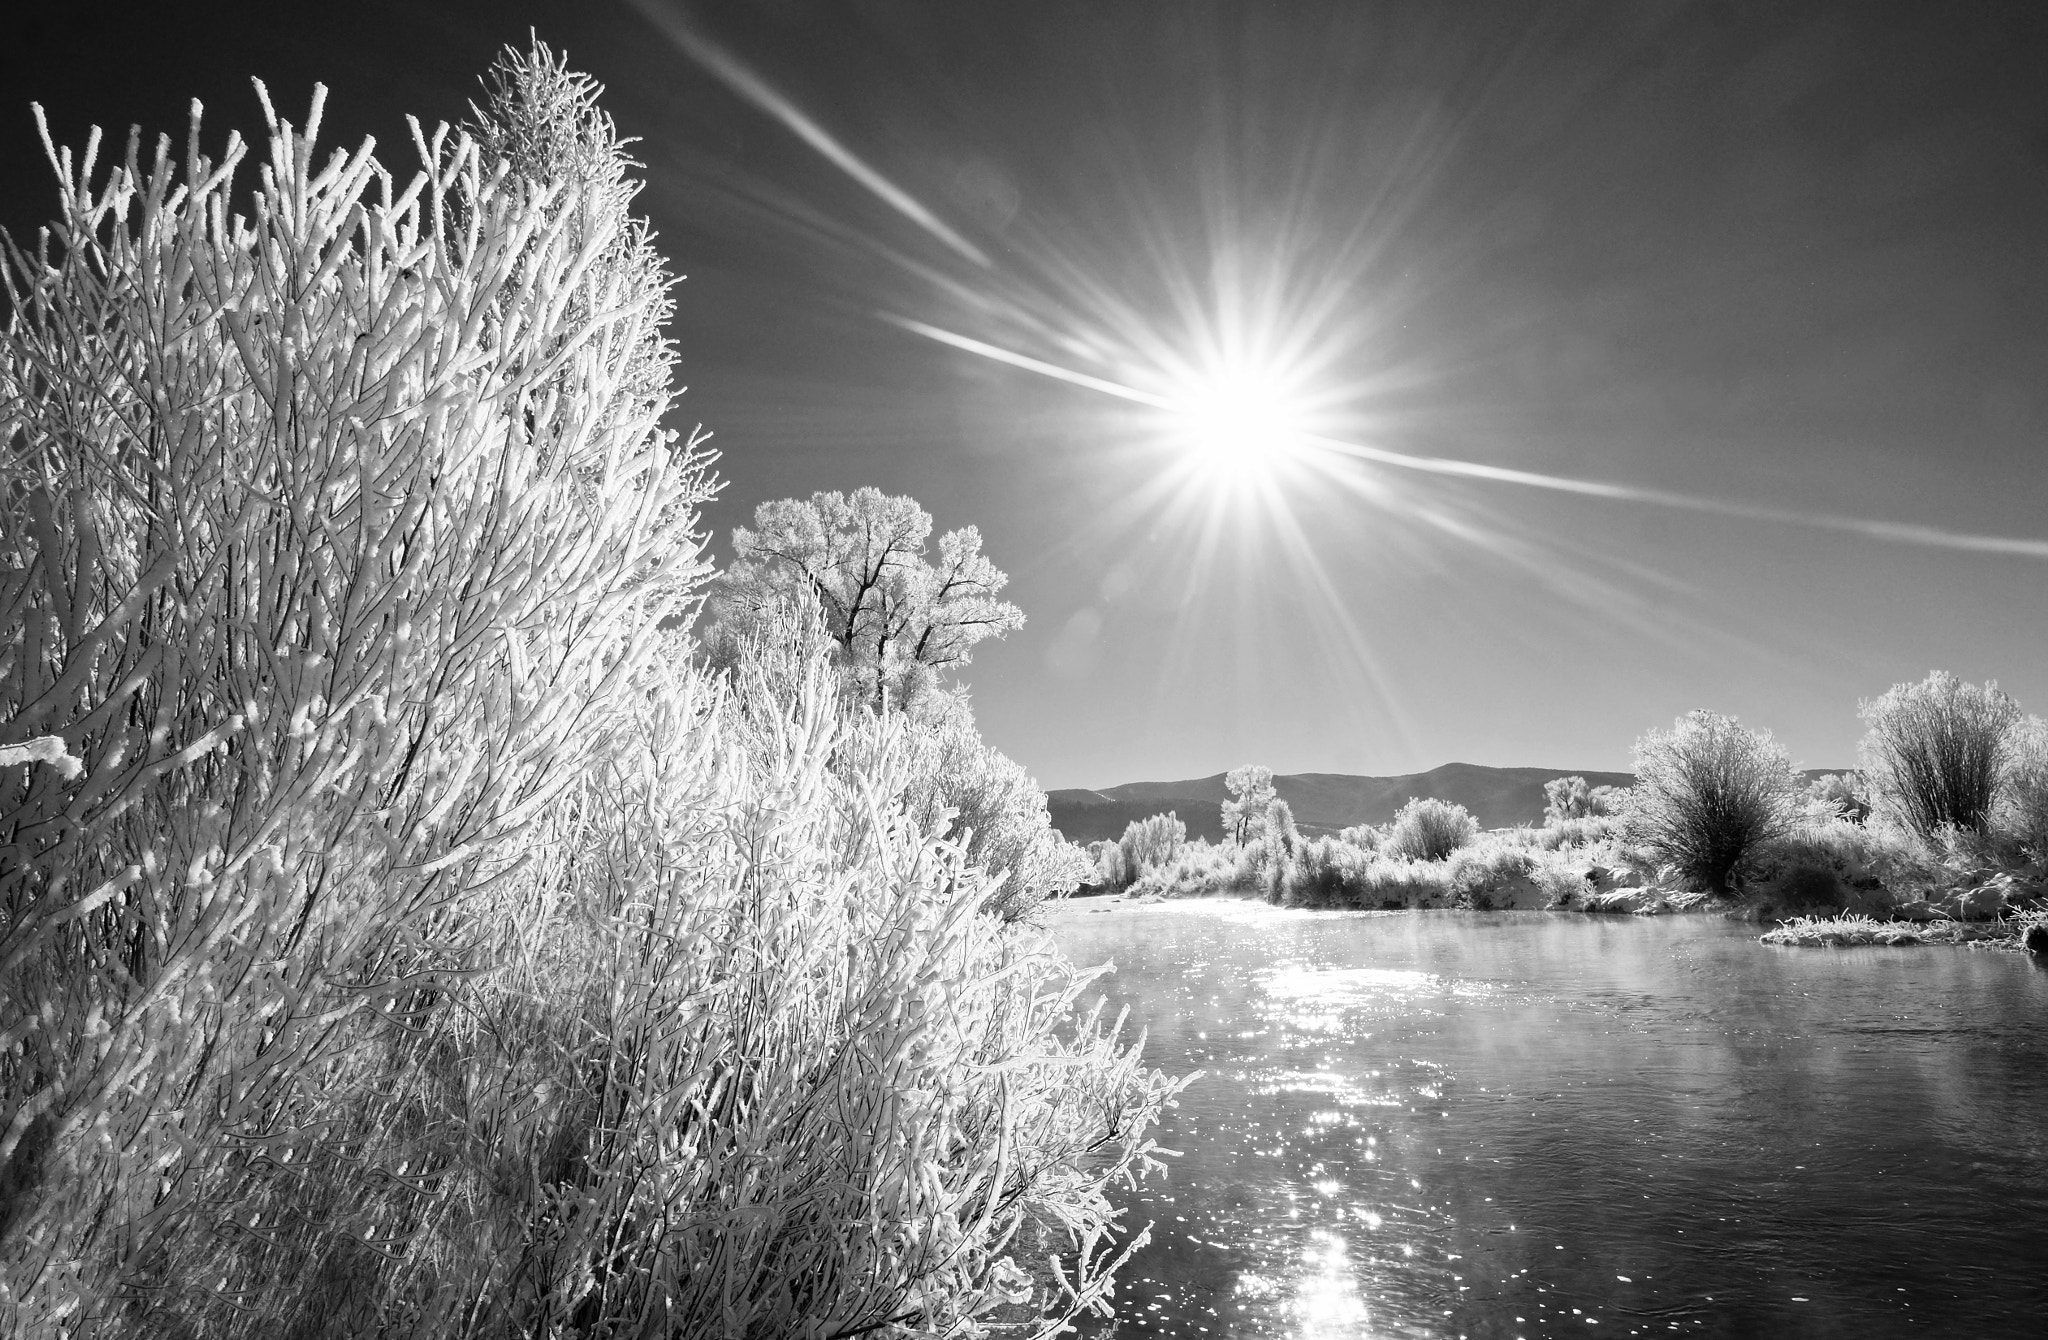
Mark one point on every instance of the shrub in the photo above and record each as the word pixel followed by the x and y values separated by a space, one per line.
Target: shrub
pixel 1429 830
pixel 423 946
pixel 1368 836
pixel 1327 872
pixel 1559 878
pixel 1484 868
pixel 1708 795
pixel 998 812
pixel 1197 868
pixel 1282 842
pixel 1836 860
pixel 1574 832
pixel 1151 842
pixel 330 532
pixel 1837 795
pixel 2023 808
pixel 750 1062
pixel 1570 798
pixel 1934 752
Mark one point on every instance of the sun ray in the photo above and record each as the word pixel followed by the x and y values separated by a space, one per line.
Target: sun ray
pixel 742 80
pixel 1898 532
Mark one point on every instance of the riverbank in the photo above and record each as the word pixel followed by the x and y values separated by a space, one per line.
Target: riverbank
pixel 2025 932
pixel 2019 934
pixel 1828 882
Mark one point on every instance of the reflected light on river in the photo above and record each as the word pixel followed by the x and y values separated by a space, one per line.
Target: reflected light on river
pixel 1521 1125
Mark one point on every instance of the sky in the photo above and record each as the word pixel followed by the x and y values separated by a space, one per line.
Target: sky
pixel 1345 387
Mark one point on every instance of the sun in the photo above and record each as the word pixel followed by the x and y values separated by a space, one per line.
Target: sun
pixel 1238 426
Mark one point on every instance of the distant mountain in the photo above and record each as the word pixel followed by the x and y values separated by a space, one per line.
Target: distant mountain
pixel 1323 802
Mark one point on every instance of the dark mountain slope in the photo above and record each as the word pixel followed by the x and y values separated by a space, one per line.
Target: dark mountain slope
pixel 1323 802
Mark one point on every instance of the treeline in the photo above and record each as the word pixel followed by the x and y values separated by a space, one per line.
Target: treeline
pixel 408 927
pixel 1946 817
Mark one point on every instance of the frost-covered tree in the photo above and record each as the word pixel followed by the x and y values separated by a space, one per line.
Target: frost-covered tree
pixel 901 618
pixel 1251 793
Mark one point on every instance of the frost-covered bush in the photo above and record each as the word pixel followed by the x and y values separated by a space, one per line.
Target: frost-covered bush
pixel 1429 830
pixel 1368 836
pixel 1837 861
pixel 1198 868
pixel 1570 798
pixel 1570 833
pixel 1708 796
pixel 1278 848
pixel 751 1063
pixel 1327 873
pixel 1330 872
pixel 993 806
pixel 1934 752
pixel 420 948
pixel 1836 795
pixel 1486 866
pixel 999 812
pixel 335 522
pixel 1150 842
pixel 2023 807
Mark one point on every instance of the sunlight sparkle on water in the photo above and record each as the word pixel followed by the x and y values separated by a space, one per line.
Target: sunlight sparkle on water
pixel 1326 1301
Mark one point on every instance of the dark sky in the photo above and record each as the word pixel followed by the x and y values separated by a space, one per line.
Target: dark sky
pixel 1764 273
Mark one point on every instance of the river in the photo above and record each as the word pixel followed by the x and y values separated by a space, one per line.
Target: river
pixel 1450 1124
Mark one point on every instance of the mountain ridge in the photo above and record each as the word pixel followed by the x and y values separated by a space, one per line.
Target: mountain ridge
pixel 1323 802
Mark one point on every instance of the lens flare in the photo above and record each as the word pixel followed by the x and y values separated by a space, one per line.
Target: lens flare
pixel 1257 319
pixel 1241 426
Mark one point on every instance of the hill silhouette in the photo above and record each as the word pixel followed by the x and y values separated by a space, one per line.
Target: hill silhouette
pixel 1324 802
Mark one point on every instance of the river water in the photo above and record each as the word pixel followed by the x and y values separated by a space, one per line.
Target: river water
pixel 1523 1124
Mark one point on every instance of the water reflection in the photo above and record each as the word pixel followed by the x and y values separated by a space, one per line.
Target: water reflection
pixel 1455 1125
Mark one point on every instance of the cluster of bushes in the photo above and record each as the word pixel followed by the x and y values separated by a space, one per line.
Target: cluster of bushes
pixel 402 930
pixel 1432 854
pixel 1944 817
pixel 1146 846
pixel 1948 817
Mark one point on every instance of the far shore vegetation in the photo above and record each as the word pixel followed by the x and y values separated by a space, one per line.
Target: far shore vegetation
pixel 1940 836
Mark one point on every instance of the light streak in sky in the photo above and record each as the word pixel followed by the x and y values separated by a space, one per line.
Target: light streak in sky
pixel 1029 364
pixel 1246 276
pixel 1893 531
pixel 738 77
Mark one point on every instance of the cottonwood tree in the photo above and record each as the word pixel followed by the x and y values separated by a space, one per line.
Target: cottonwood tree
pixel 1251 790
pixel 899 618
pixel 853 569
